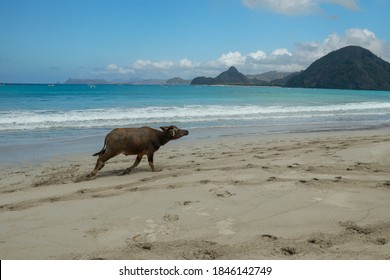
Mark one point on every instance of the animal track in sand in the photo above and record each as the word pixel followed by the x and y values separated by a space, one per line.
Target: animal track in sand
pixel 269 237
pixel 77 195
pixel 144 237
pixel 187 202
pixel 321 240
pixel 204 250
pixel 205 181
pixel 270 179
pixel 170 217
pixel 386 184
pixel 202 254
pixel 224 194
pixel 94 232
pixel 288 251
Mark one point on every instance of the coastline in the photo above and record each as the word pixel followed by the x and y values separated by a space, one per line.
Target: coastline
pixel 312 195
pixel 74 144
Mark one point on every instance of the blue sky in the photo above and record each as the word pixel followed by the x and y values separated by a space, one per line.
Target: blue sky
pixel 50 40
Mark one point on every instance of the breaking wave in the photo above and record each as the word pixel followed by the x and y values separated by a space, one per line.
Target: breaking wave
pixel 95 118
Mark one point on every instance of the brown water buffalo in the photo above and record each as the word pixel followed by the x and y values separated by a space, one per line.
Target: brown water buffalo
pixel 135 141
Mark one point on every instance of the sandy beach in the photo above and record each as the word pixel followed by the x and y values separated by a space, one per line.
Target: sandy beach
pixel 294 196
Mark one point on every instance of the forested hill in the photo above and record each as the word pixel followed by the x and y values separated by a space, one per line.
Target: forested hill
pixel 351 67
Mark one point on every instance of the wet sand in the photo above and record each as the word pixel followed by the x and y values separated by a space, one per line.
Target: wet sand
pixel 293 196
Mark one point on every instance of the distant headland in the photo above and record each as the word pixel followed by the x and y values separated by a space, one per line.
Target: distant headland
pixel 233 77
pixel 173 81
pixel 350 67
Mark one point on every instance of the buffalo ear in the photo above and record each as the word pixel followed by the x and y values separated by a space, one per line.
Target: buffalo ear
pixel 166 128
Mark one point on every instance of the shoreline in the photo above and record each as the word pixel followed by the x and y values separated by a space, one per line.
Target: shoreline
pixel 311 195
pixel 29 153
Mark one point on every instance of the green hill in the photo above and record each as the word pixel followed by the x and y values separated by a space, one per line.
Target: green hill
pixel 230 77
pixel 351 67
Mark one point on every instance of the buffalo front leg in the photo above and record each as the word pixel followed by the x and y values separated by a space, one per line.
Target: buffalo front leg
pixel 136 162
pixel 151 164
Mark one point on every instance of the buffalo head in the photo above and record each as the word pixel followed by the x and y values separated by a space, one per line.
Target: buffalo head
pixel 174 132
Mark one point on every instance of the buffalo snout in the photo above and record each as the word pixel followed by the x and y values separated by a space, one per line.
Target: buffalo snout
pixel 181 133
pixel 174 132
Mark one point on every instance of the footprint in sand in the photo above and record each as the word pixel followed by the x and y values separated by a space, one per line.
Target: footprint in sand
pixel 144 238
pixel 186 202
pixel 224 194
pixel 289 251
pixel 95 232
pixel 269 237
pixel 170 217
pixel 270 179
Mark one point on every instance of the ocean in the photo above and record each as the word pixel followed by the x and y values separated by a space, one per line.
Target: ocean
pixel 42 121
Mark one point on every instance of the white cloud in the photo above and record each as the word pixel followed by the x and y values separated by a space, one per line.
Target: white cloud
pixel 148 64
pixel 256 62
pixel 364 38
pixel 354 36
pixel 278 52
pixel 303 54
pixel 141 64
pixel 258 55
pixel 113 68
pixel 232 58
pixel 163 64
pixel 186 63
pixel 297 7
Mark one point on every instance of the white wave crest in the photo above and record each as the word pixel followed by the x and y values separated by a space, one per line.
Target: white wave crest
pixel 46 119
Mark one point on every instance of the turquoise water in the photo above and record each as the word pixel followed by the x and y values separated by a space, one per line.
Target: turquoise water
pixel 36 115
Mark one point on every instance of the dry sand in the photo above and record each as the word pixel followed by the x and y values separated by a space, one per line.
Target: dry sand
pixel 293 196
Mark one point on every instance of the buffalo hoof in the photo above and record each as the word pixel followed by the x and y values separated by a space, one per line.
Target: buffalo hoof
pixel 156 170
pixel 125 172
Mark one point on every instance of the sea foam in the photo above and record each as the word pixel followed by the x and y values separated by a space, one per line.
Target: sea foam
pixel 112 117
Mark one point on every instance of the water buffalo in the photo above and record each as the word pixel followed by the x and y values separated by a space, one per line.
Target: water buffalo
pixel 135 141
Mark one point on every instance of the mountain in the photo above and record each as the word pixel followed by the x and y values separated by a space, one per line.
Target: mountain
pixel 270 76
pixel 177 81
pixel 350 67
pixel 233 77
pixel 282 81
pixel 230 77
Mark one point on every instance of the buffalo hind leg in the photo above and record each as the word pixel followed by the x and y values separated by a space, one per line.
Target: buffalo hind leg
pixel 136 162
pixel 151 164
pixel 100 163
